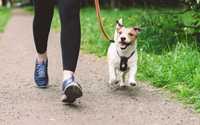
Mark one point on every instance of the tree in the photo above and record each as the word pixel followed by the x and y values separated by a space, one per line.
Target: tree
pixel 4 2
pixel 7 3
pixel 194 27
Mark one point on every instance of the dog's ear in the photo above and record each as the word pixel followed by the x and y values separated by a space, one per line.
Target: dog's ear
pixel 119 24
pixel 137 29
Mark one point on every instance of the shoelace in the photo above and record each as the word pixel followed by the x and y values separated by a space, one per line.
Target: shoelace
pixel 41 70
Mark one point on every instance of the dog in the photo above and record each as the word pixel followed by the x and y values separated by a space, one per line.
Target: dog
pixel 122 55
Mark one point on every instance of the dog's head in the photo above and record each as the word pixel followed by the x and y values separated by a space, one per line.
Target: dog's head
pixel 125 36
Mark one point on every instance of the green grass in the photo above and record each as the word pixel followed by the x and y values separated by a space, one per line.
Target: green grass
pixel 177 70
pixel 169 56
pixel 4 17
pixel 158 25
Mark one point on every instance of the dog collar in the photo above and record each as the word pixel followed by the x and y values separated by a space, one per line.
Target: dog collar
pixel 124 61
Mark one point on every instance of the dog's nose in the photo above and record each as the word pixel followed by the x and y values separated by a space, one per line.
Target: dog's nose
pixel 123 38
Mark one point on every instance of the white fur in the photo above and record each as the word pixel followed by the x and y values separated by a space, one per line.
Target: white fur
pixel 115 75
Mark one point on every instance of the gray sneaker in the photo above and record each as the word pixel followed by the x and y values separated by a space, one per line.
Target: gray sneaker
pixel 71 91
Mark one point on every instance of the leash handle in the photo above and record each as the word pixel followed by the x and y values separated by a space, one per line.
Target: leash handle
pixel 97 6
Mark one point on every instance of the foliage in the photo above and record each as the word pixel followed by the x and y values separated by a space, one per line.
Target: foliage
pixel 194 25
pixel 5 15
pixel 126 3
pixel 193 4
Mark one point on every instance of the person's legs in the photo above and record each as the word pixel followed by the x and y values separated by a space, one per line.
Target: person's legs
pixel 70 43
pixel 70 34
pixel 41 26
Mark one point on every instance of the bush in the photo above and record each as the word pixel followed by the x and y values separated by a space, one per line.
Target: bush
pixel 5 15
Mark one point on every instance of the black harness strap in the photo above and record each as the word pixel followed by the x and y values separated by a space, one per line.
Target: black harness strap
pixel 123 64
pixel 124 61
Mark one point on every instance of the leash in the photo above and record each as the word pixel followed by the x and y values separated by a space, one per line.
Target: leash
pixel 99 19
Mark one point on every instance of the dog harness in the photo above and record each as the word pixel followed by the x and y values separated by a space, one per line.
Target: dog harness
pixel 124 61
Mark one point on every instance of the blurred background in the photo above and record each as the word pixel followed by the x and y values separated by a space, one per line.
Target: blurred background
pixel 113 3
pixel 168 45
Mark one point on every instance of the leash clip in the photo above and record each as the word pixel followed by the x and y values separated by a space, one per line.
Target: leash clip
pixel 111 41
pixel 123 64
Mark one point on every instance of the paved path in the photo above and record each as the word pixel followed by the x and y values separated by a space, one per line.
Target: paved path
pixel 21 103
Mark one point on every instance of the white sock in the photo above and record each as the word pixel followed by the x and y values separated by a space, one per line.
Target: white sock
pixel 41 58
pixel 67 75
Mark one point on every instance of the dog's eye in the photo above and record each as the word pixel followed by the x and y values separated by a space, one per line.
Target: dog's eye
pixel 120 33
pixel 130 34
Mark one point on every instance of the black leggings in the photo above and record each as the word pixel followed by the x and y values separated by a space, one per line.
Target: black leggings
pixel 69 11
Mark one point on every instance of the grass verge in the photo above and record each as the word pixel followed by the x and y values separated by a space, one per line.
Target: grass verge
pixel 4 17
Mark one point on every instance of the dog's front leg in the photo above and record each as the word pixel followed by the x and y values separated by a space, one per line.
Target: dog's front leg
pixel 123 79
pixel 112 75
pixel 132 75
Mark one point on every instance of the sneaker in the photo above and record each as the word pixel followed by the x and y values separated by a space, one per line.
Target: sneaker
pixel 71 91
pixel 41 74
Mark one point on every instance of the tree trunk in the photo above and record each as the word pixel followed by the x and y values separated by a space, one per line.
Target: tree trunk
pixel 4 2
pixel 112 3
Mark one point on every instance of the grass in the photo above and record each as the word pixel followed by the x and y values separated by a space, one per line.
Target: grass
pixel 4 17
pixel 169 55
pixel 177 70
pixel 159 25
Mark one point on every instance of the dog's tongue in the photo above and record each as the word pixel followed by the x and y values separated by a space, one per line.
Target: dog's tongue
pixel 123 46
pixel 122 43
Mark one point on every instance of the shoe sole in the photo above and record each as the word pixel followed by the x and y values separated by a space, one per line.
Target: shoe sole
pixel 72 93
pixel 43 87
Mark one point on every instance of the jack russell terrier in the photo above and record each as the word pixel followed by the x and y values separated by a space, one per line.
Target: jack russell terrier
pixel 122 56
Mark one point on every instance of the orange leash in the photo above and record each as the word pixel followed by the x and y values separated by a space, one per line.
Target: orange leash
pixel 97 6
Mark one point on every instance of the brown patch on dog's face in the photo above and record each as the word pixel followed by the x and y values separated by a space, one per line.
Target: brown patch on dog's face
pixel 133 33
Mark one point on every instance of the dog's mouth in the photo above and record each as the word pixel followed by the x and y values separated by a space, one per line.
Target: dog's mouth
pixel 124 45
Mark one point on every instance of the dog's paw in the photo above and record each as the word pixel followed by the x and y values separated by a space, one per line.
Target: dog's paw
pixel 134 83
pixel 123 86
pixel 113 82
